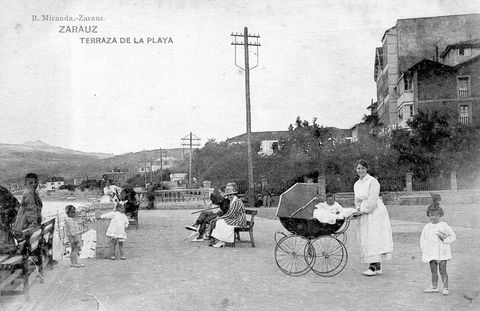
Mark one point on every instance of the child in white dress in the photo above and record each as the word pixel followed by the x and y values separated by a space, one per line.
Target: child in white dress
pixel 116 229
pixel 435 244
pixel 330 210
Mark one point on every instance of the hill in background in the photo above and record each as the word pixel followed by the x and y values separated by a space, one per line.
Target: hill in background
pixel 16 160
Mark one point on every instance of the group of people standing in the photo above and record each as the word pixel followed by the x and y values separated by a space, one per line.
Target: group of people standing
pixel 375 231
pixel 374 227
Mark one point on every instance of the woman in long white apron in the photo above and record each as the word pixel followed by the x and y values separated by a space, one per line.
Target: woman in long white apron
pixel 374 228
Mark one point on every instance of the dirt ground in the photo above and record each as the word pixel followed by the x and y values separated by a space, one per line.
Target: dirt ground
pixel 164 272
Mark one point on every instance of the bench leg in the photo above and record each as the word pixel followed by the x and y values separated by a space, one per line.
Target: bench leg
pixel 26 289
pixel 40 265
pixel 236 237
pixel 251 237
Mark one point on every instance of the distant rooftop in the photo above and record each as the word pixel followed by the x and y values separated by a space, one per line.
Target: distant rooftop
pixel 474 43
pixel 268 135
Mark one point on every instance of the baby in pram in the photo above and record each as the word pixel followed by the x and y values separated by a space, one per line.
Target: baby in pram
pixel 330 210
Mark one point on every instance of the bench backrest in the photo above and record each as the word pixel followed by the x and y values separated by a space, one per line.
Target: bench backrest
pixel 252 213
pixel 48 231
pixel 36 237
pixel 33 237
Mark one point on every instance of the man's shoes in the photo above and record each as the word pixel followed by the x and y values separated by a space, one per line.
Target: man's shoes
pixel 369 272
pixel 219 244
pixel 197 240
pixel 193 228
pixel 431 290
pixel 445 291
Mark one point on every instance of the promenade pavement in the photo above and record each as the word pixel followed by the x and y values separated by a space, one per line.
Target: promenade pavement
pixel 164 272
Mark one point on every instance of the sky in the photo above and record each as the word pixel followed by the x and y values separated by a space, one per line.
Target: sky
pixel 316 60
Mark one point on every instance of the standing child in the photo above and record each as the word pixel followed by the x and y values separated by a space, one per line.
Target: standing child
pixel 74 235
pixel 30 212
pixel 435 244
pixel 116 229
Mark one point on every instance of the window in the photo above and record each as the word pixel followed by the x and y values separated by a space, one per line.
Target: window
pixel 461 51
pixel 408 111
pixel 463 87
pixel 464 114
pixel 408 82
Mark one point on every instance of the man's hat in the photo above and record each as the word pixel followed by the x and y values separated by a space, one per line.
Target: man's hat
pixel 229 190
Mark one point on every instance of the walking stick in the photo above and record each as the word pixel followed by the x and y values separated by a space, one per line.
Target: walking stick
pixel 206 209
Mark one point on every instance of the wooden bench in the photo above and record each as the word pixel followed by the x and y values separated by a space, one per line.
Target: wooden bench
pixel 27 263
pixel 247 228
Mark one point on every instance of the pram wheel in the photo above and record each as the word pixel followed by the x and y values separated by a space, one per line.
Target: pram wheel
pixel 330 256
pixel 294 255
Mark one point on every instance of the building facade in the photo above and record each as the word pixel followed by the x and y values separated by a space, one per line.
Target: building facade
pixel 411 42
pixel 435 86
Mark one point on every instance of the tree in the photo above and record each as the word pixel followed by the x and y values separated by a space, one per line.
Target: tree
pixel 437 143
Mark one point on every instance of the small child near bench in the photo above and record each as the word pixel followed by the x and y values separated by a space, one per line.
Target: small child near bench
pixel 74 235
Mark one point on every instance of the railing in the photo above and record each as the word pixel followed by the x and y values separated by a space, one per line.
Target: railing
pixel 177 196
pixel 463 93
pixel 464 120
pixel 182 195
pixel 438 182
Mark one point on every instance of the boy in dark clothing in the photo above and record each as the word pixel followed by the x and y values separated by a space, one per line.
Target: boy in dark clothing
pixel 30 213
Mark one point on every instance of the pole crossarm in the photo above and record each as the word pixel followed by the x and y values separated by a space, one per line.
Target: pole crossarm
pixel 244 41
pixel 192 142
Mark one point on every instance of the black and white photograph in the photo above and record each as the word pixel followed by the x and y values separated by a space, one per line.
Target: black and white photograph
pixel 239 155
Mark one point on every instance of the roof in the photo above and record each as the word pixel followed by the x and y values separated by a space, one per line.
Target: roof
pixel 268 135
pixel 439 16
pixel 427 64
pixel 474 43
pixel 471 60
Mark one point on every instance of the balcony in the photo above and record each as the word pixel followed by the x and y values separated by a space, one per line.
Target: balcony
pixel 463 93
pixel 464 119
pixel 406 96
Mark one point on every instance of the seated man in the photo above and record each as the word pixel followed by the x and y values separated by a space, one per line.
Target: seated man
pixel 330 210
pixel 207 216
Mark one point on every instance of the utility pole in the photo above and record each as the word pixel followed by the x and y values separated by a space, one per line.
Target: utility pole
pixel 162 152
pixel 190 138
pixel 145 167
pixel 246 44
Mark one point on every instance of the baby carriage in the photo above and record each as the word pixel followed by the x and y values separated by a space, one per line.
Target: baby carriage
pixel 312 245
